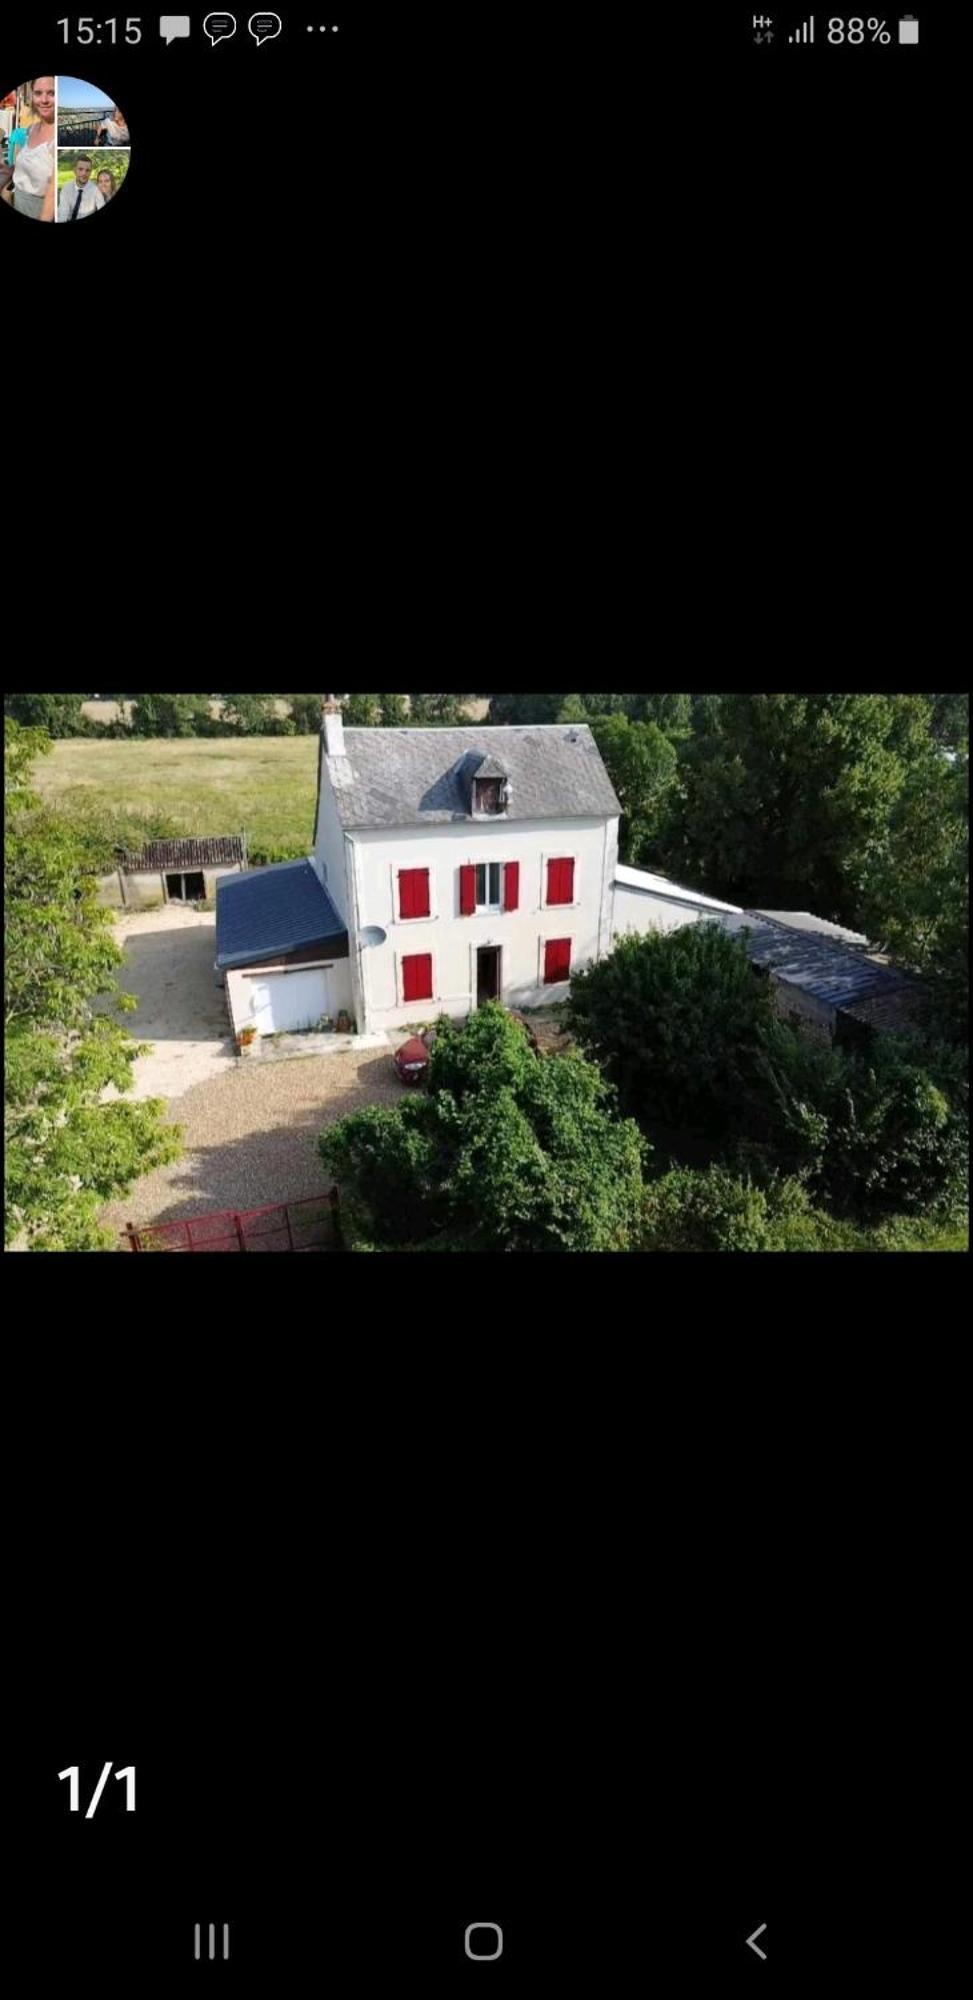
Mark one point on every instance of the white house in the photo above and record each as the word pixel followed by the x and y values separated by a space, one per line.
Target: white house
pixel 454 866
pixel 450 866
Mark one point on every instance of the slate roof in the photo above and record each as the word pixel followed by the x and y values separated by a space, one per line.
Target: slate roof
pixel 423 777
pixel 838 974
pixel 272 911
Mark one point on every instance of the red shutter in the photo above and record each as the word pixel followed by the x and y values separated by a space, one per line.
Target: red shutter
pixel 511 886
pixel 557 961
pixel 467 892
pixel 413 892
pixel 560 881
pixel 417 977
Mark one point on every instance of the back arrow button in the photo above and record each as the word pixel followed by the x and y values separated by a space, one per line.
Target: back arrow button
pixel 755 1934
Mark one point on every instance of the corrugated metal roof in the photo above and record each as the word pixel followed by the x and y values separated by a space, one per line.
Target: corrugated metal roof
pixel 802 920
pixel 271 911
pixel 831 971
pixel 423 777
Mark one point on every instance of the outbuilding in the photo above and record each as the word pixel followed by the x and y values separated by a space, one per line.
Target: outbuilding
pixel 173 871
pixel 282 950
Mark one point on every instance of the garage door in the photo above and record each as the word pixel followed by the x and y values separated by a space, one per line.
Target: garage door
pixel 284 1002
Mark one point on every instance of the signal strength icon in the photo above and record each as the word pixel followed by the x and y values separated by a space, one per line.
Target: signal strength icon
pixel 805 33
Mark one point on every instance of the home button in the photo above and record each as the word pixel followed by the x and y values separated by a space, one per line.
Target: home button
pixel 485 1935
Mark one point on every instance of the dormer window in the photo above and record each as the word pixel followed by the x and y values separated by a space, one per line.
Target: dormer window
pixel 488 795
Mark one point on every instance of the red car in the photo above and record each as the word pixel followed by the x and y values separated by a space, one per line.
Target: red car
pixel 412 1061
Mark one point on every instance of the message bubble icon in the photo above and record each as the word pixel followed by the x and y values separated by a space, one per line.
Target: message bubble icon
pixel 264 27
pixel 174 28
pixel 219 27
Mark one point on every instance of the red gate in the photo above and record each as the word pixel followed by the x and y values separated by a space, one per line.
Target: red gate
pixel 289 1225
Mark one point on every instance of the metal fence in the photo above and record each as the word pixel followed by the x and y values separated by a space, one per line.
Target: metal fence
pixel 292 1225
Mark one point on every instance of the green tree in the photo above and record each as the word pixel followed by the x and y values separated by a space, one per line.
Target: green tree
pixel 438 710
pixel 674 1018
pixel 248 714
pixel 394 710
pixel 508 1151
pixel 786 798
pixel 644 768
pixel 506 709
pixel 951 720
pixel 56 714
pixel 915 897
pixel 66 1152
pixel 361 711
pixel 169 714
pixel 307 711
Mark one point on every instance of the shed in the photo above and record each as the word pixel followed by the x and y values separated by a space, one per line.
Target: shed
pixel 180 871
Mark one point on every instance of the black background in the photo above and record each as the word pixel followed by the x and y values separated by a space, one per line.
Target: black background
pixel 619 1645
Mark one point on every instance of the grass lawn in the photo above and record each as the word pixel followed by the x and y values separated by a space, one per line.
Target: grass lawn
pixel 267 784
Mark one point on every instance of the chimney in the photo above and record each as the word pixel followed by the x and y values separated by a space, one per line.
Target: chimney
pixel 334 731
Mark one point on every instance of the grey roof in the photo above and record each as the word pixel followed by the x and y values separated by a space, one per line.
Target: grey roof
pixel 802 920
pixel 271 911
pixel 423 777
pixel 837 973
pixel 490 768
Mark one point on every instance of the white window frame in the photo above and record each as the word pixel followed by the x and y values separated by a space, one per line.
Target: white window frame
pixel 400 998
pixel 489 909
pixel 395 868
pixel 559 855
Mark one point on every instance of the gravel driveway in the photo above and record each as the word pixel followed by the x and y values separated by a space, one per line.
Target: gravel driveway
pixel 250 1129
pixel 250 1137
pixel 169 956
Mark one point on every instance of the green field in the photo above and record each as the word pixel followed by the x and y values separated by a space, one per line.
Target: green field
pixel 265 784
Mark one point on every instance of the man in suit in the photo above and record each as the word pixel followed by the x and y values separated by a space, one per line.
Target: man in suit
pixel 79 197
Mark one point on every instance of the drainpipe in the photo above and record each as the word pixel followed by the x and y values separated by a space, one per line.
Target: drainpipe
pixel 354 939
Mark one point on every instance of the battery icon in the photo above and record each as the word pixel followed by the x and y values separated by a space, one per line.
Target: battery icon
pixel 908 28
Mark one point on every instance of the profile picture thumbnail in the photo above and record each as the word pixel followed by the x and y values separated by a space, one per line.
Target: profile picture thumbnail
pixel 65 149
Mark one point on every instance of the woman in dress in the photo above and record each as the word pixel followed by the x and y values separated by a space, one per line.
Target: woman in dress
pixel 32 192
pixel 106 184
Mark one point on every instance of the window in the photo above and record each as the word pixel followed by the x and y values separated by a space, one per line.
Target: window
pixel 489 878
pixel 488 795
pixel 560 881
pixel 413 893
pixel 557 961
pixel 417 977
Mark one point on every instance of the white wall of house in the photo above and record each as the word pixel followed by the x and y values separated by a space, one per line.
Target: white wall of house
pixel 645 902
pixel 453 940
pixel 279 1002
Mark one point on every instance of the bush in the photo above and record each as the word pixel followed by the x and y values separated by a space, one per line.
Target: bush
pixel 707 1210
pixel 675 1019
pixel 268 855
pixel 506 1152
pixel 898 1141
pixel 713 1209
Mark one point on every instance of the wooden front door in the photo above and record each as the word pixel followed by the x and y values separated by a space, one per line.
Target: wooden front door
pixel 487 974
